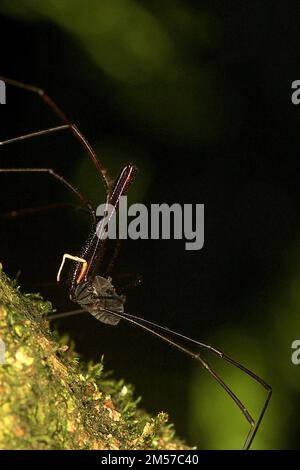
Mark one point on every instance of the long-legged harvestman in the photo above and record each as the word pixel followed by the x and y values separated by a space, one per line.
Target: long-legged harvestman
pixel 96 294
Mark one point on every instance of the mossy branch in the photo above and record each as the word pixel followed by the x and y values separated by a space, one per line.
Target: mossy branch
pixel 51 400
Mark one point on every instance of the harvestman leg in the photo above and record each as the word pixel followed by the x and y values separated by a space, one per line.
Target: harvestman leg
pixel 107 180
pixel 253 425
pixel 59 178
pixel 45 170
pixel 34 210
pixel 102 171
pixel 142 323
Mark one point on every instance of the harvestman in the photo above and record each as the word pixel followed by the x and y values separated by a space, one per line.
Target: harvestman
pixel 96 294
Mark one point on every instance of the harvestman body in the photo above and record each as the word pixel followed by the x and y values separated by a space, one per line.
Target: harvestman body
pixel 96 294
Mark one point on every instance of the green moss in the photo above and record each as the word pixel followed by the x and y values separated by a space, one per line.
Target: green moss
pixel 50 400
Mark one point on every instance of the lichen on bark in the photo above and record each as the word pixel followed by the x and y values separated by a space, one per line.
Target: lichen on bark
pixel 49 399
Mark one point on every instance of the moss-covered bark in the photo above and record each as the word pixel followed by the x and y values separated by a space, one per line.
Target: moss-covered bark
pixel 50 400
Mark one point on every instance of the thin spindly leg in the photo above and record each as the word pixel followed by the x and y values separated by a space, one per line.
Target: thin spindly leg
pixel 251 374
pixel 107 180
pixel 39 209
pixel 141 323
pixel 59 178
pixel 226 358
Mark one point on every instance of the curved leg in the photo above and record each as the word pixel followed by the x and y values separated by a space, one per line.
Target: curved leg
pixel 107 180
pixel 151 328
pixel 59 178
pixel 38 209
pixel 141 323
pixel 226 358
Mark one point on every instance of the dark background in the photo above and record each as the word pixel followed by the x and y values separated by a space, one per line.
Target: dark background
pixel 199 97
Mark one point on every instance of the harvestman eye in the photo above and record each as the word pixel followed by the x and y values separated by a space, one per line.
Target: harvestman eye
pixel 95 293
